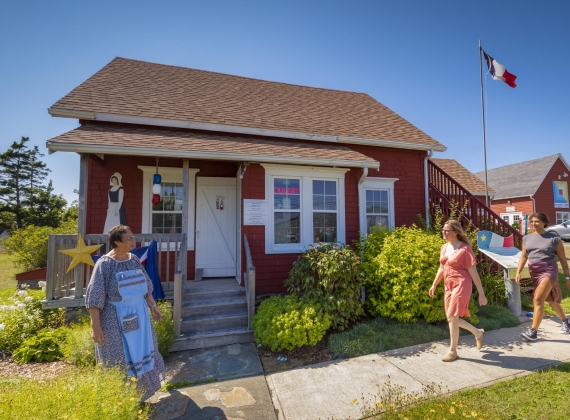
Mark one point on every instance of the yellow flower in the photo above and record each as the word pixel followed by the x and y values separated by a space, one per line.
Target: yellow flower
pixel 452 410
pixel 474 413
pixel 355 401
pixel 432 410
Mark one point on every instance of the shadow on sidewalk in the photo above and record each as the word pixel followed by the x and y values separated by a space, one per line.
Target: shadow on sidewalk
pixel 180 406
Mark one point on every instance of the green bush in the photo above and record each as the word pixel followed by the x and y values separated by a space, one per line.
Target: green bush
pixel 494 288
pixel 42 347
pixel 371 246
pixel 23 318
pixel 288 323
pixel 78 347
pixel 80 394
pixel 165 328
pixel 330 275
pixel 401 275
pixel 29 246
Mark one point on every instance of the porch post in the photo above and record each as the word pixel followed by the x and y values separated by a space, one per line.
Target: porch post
pixel 185 184
pixel 78 271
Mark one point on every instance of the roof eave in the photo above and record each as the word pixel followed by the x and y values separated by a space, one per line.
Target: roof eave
pixel 161 122
pixel 140 151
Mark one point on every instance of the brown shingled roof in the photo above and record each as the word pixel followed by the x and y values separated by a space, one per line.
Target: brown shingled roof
pixel 122 139
pixel 142 89
pixel 462 175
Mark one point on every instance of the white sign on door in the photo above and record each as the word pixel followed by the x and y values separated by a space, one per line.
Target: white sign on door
pixel 255 212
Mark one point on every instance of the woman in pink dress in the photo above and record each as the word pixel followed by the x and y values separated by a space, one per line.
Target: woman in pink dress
pixel 457 267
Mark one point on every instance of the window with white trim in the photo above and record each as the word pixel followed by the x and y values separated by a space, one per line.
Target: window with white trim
pixel 306 207
pixel 562 216
pixel 376 198
pixel 166 217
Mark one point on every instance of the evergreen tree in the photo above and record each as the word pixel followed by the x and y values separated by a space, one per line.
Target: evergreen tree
pixel 22 188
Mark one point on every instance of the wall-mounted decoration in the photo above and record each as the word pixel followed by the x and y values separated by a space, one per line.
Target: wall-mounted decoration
pixel 156 188
pixel 115 210
pixel 560 189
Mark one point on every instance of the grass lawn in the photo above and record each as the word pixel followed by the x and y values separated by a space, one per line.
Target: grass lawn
pixel 7 277
pixel 539 395
pixel 383 334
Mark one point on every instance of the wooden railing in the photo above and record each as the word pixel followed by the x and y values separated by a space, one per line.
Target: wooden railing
pixel 179 280
pixel 445 193
pixel 249 283
pixel 68 289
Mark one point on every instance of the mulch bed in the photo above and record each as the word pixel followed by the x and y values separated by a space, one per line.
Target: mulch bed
pixel 38 371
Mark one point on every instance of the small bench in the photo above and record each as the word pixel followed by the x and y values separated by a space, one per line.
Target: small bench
pixel 503 251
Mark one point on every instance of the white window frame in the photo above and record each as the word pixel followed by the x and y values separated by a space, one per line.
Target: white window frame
pixel 306 174
pixel 378 184
pixel 511 215
pixel 168 174
pixel 560 218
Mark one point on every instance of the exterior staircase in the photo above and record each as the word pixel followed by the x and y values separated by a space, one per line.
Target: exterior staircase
pixel 214 313
pixel 445 194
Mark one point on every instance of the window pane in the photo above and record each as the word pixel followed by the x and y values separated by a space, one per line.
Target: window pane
pixel 318 202
pixel 369 195
pixel 286 194
pixel 157 223
pixel 369 206
pixel 376 221
pixel 319 187
pixel 287 226
pixel 324 195
pixel 324 227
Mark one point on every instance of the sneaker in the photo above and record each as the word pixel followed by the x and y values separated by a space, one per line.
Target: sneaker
pixel 529 335
pixel 565 329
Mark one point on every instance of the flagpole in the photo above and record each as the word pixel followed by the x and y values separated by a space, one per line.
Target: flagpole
pixel 483 116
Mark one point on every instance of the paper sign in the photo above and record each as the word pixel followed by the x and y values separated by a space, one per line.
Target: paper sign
pixel 255 212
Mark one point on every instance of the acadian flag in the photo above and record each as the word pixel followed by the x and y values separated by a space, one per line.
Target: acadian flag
pixel 498 71
pixel 487 239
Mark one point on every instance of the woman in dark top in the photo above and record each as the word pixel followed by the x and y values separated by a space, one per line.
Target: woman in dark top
pixel 540 249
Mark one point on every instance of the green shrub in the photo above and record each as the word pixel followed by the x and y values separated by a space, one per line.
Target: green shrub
pixel 23 318
pixel 29 246
pixel 78 347
pixel 330 275
pixel 165 328
pixel 42 347
pixel 494 288
pixel 80 394
pixel 287 323
pixel 371 246
pixel 403 273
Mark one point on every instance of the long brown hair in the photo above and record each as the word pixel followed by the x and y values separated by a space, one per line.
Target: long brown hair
pixel 458 229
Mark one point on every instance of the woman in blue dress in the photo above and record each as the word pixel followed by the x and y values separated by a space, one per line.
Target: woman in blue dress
pixel 117 298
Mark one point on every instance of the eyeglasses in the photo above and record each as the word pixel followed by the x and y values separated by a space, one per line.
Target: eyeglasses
pixel 131 238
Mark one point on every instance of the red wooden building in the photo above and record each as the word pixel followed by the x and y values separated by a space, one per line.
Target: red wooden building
pixel 539 185
pixel 284 165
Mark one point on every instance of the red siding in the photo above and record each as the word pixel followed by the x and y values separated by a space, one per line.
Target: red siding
pixel 544 196
pixel 272 269
pixel 521 204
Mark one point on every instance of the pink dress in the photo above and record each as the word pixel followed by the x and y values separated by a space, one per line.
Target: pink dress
pixel 457 281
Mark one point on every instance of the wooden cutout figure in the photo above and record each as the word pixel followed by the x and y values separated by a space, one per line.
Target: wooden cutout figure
pixel 115 210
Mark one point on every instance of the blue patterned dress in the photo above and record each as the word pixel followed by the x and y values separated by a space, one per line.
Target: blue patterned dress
pixel 103 292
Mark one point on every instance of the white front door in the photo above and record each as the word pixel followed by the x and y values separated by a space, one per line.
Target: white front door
pixel 216 226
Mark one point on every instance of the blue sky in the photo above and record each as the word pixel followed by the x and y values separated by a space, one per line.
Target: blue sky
pixel 419 58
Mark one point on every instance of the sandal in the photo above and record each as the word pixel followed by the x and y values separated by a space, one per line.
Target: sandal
pixel 480 340
pixel 449 357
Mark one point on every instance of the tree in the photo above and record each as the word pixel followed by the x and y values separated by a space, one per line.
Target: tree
pixel 23 191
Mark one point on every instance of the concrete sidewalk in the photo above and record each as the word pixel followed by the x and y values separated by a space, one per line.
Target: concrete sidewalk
pixel 326 390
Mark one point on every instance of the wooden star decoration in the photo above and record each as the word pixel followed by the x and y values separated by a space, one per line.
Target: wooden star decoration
pixel 81 253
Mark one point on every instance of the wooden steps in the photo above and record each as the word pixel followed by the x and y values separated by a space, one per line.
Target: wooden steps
pixel 214 313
